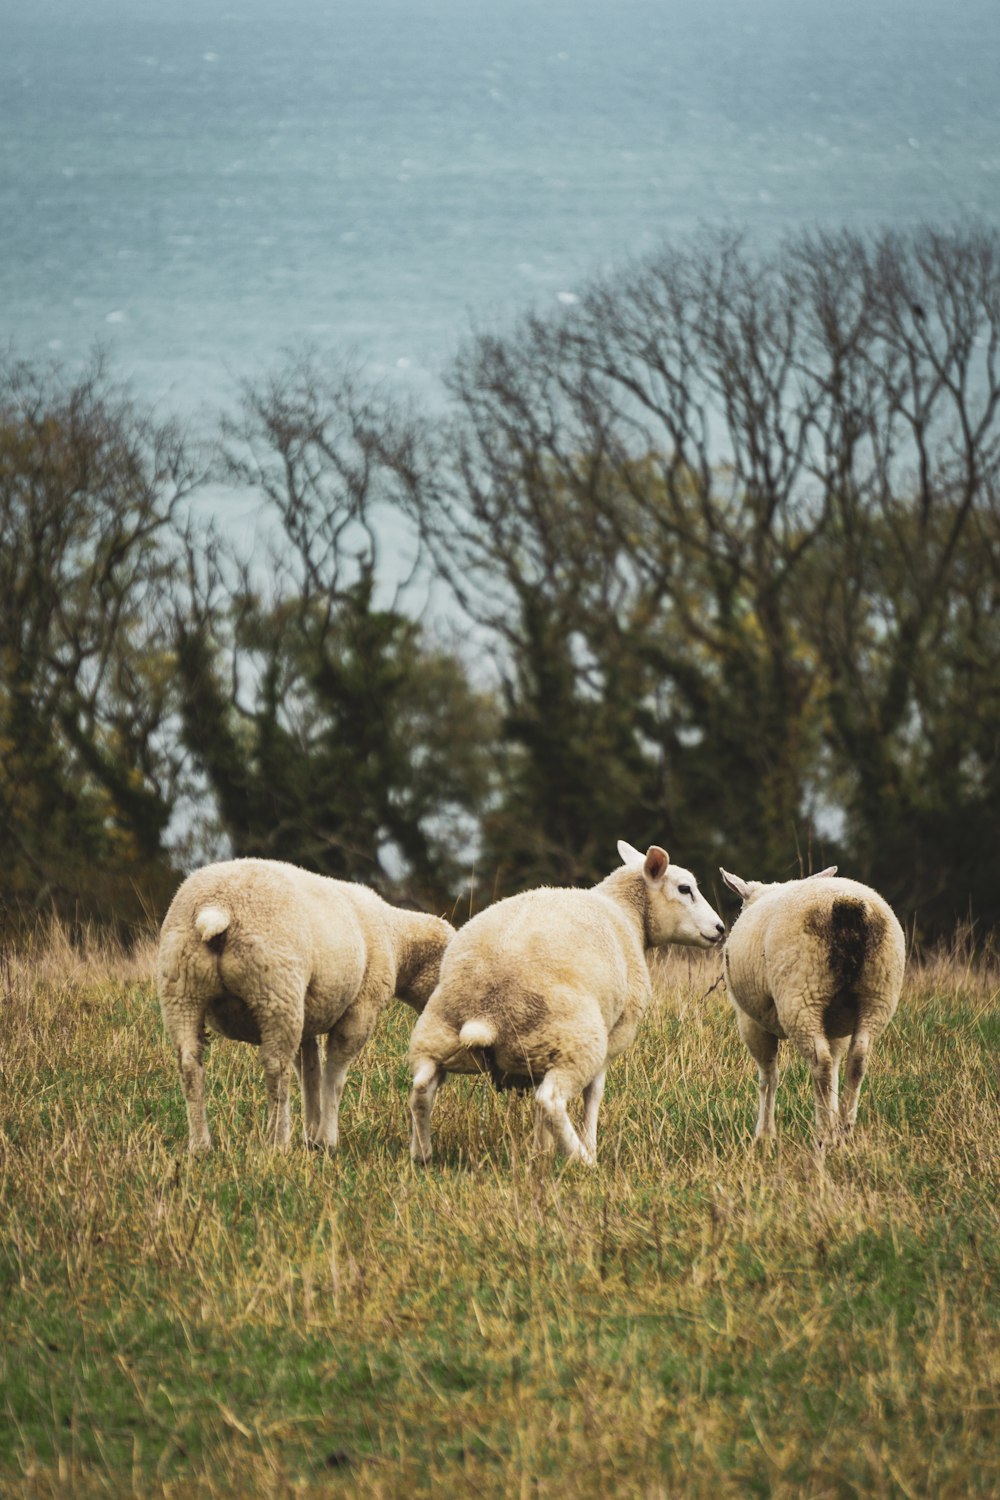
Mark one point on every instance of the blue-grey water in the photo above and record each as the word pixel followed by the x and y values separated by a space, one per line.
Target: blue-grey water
pixel 199 185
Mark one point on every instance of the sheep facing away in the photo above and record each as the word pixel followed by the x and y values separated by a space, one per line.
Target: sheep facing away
pixel 271 954
pixel 818 961
pixel 543 989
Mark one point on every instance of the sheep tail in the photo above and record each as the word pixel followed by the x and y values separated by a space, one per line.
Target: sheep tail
pixel 210 924
pixel 478 1033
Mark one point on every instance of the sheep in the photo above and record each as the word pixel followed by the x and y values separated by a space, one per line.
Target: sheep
pixel 543 989
pixel 818 961
pixel 272 954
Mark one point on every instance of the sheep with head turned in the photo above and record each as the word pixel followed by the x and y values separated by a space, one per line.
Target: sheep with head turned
pixel 268 953
pixel 543 989
pixel 820 962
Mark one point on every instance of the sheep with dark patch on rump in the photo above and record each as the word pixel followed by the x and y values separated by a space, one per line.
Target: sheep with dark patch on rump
pixel 818 961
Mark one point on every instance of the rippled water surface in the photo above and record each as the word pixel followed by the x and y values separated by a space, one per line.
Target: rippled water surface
pixel 198 186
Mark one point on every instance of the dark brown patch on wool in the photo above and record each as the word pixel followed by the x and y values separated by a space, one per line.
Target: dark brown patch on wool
pixel 840 1016
pixel 851 932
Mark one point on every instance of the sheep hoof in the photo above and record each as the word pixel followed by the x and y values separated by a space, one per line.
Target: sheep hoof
pixel 199 1148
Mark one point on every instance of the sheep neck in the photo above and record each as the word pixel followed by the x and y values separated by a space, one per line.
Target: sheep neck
pixel 628 889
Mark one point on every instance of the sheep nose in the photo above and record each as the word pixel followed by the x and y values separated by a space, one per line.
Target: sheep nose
pixel 719 928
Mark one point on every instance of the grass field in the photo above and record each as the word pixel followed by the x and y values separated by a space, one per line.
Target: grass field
pixel 694 1317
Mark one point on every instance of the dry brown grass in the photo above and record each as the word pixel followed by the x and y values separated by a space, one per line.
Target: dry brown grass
pixel 695 1317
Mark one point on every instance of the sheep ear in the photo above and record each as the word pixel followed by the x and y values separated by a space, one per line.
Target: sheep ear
pixel 629 856
pixel 735 884
pixel 655 865
pixel 830 870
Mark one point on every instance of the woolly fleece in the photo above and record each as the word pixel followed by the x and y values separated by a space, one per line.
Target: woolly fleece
pixel 818 961
pixel 267 953
pixel 543 989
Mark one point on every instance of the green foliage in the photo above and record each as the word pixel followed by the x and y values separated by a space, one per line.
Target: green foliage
pixel 357 751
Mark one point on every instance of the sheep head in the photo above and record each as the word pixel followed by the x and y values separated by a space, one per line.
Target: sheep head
pixel 676 911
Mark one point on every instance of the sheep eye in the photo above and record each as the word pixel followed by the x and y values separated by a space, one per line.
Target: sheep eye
pixel 684 890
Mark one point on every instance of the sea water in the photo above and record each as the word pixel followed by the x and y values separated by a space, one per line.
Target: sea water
pixel 200 186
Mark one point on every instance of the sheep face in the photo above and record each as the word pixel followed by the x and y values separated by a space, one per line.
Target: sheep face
pixel 676 911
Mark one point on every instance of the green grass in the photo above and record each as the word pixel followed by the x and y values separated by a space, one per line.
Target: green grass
pixel 697 1316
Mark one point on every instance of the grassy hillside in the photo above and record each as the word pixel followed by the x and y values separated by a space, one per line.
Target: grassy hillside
pixel 695 1317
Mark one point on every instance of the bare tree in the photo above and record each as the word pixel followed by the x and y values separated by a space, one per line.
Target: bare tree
pixel 760 493
pixel 330 730
pixel 89 487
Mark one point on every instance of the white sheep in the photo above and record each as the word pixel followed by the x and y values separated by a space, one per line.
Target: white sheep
pixel 271 954
pixel 819 961
pixel 543 989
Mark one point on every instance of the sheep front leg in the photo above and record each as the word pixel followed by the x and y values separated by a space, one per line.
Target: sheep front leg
pixel 309 1067
pixel 763 1048
pixel 343 1044
pixel 427 1079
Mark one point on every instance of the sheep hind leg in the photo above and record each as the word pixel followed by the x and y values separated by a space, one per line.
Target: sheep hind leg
pixel 838 1048
pixel 592 1096
pixel 854 1072
pixel 191 1066
pixel 427 1079
pixel 309 1067
pixel 551 1098
pixel 544 1141
pixel 823 1069
pixel 277 1078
